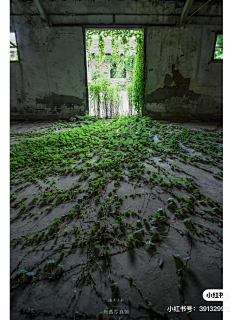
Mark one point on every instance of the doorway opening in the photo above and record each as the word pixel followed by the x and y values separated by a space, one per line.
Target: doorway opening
pixel 115 59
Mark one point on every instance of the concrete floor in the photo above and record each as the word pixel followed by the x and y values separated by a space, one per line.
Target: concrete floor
pixel 144 279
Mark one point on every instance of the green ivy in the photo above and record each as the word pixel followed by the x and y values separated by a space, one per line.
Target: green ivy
pixel 218 53
pixel 105 98
pixel 138 79
pixel 130 91
pixel 122 37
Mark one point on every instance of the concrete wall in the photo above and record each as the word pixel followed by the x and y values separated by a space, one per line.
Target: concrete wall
pixel 182 81
pixel 49 82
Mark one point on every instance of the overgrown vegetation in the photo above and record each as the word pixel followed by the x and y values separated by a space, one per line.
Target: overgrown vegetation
pixel 138 79
pixel 118 67
pixel 119 63
pixel 13 47
pixel 109 164
pixel 105 98
pixel 218 53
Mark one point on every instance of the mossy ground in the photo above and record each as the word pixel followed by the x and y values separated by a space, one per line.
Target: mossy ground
pixel 127 209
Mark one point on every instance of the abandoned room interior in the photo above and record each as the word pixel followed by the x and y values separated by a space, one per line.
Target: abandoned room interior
pixel 116 159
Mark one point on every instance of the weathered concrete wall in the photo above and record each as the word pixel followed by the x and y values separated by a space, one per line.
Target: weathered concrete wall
pixel 181 80
pixel 49 81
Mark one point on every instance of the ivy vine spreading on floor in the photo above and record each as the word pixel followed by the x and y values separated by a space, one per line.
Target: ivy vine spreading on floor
pixel 100 154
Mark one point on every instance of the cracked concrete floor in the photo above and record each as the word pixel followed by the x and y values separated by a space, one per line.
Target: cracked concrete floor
pixel 130 282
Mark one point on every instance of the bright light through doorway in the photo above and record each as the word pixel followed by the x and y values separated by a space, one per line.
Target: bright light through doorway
pixel 111 62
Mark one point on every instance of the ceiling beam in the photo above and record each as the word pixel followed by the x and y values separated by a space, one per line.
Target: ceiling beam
pixel 42 11
pixel 185 12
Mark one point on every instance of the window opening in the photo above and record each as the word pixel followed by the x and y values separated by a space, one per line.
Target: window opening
pixel 218 52
pixel 14 56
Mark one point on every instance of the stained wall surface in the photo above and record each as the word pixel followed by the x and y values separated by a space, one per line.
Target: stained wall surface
pixel 181 80
pixel 49 80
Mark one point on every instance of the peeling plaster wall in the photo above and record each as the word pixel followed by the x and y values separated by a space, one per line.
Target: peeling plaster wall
pixel 182 81
pixel 49 82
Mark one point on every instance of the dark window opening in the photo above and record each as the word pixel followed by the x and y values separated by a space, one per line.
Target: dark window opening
pixel 14 56
pixel 218 52
pixel 116 72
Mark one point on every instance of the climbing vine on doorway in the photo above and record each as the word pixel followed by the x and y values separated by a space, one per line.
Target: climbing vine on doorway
pixel 122 37
pixel 123 64
pixel 138 85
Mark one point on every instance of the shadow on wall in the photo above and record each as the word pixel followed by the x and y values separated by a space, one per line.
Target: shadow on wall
pixel 179 89
pixel 175 100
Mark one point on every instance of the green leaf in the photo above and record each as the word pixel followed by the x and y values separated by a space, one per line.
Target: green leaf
pixel 50 261
pixel 22 271
pixel 137 231
pixel 185 220
pixel 149 242
pixel 153 228
pixel 156 215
